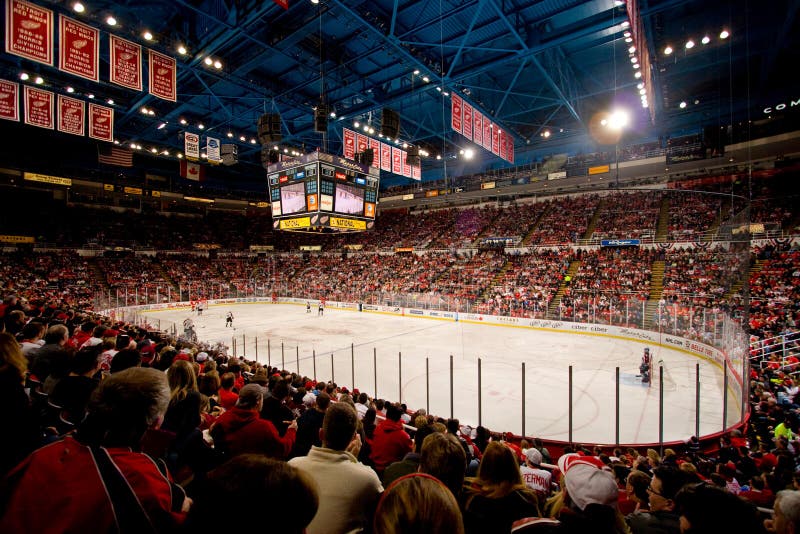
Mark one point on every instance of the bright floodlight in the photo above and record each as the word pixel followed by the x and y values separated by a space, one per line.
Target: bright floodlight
pixel 468 153
pixel 618 119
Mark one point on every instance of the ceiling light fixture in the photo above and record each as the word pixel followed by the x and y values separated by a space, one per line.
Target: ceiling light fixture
pixel 147 36
pixel 208 61
pixel 689 44
pixel 668 50
pixel 77 7
pixel 70 89
pixel 111 21
pixel 705 40
pixel 217 64
pixel 724 34
pixel 182 50
pixel 38 80
pixel 23 76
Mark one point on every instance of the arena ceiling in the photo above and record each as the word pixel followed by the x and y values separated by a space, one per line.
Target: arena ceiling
pixel 534 66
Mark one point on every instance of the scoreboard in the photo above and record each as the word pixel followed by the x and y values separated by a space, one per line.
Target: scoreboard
pixel 320 192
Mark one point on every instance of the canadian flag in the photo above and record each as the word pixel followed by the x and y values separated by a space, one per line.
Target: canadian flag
pixel 192 171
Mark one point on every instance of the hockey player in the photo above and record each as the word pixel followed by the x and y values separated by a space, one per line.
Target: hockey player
pixel 229 320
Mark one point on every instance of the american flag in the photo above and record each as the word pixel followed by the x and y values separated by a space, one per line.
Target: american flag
pixel 112 155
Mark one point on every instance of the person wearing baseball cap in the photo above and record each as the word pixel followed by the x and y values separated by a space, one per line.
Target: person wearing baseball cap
pixel 534 476
pixel 587 503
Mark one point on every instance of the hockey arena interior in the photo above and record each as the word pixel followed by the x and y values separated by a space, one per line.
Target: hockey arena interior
pixel 456 266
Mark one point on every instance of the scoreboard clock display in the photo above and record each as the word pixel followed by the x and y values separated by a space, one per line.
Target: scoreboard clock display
pixel 320 192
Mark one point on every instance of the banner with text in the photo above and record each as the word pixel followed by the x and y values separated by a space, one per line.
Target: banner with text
pixel 125 63
pixel 101 123
pixel 191 145
pixel 349 144
pixel 78 49
pixel 39 108
pixel 162 76
pixel 29 31
pixel 71 115
pixel 9 100
pixel 456 111
pixel 212 150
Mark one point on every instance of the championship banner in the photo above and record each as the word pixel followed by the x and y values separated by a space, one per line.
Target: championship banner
pixel 375 145
pixel 125 60
pixel 101 123
pixel 455 113
pixel 39 108
pixel 477 127
pixel 349 143
pixel 406 165
pixel 71 115
pixel 416 172
pixel 29 31
pixel 9 100
pixel 78 49
pixel 162 76
pixel 495 140
pixel 191 145
pixel 386 157
pixel 487 134
pixel 502 152
pixel 510 149
pixel 212 150
pixel 397 161
pixel 467 132
pixel 362 143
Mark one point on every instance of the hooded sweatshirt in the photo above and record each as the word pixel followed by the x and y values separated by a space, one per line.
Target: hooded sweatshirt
pixel 241 430
pixel 390 444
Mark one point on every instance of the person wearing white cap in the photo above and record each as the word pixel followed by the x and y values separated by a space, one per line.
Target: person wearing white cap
pixel 587 503
pixel 534 476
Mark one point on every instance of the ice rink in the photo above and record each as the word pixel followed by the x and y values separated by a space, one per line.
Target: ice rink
pixel 386 339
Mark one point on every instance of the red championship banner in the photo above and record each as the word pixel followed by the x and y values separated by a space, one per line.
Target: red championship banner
pixel 455 113
pixel 29 31
pixel 502 151
pixel 406 166
pixel 78 49
pixel 477 127
pixel 487 133
pixel 510 149
pixel 126 63
pixel 386 157
pixel 349 143
pixel 495 140
pixel 39 108
pixel 416 172
pixel 397 161
pixel 362 142
pixel 467 130
pixel 162 76
pixel 375 145
pixel 101 123
pixel 9 100
pixel 71 115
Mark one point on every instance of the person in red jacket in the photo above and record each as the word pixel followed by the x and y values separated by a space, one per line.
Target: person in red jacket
pixel 241 430
pixel 94 481
pixel 391 443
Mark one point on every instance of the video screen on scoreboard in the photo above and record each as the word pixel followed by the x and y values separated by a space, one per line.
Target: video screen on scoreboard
pixel 349 200
pixel 293 198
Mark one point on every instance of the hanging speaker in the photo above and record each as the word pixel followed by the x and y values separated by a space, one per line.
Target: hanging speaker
pixel 390 123
pixel 366 157
pixel 269 128
pixel 321 118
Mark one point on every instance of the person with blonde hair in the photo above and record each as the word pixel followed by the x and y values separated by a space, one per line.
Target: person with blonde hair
pixel 497 496
pixel 418 503
pixel 18 413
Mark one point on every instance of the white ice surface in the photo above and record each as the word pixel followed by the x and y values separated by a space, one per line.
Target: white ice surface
pixel 502 351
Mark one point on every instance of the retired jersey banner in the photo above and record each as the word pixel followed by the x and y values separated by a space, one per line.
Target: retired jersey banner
pixel 467 131
pixel 162 75
pixel 495 140
pixel 397 161
pixel 416 172
pixel 375 145
pixel 510 149
pixel 455 114
pixel 477 127
pixel 78 49
pixel 191 145
pixel 9 100
pixel 386 157
pixel 71 115
pixel 502 151
pixel 101 123
pixel 29 31
pixel 349 143
pixel 39 108
pixel 125 63
pixel 487 134
pixel 406 166
pixel 362 142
